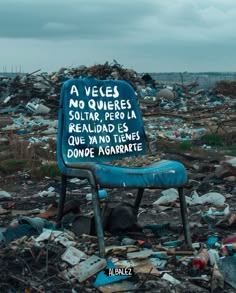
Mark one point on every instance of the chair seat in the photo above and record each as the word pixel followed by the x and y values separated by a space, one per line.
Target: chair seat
pixel 162 174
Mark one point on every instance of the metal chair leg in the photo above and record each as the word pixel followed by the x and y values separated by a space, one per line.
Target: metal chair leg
pixel 138 198
pixel 61 200
pixel 183 208
pixel 98 222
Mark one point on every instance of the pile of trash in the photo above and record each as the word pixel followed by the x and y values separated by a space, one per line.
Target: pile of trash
pixel 226 87
pixel 35 89
pixel 179 112
pixel 147 252
pixel 39 93
pixel 143 252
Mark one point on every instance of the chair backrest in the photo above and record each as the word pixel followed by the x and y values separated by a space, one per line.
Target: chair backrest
pixel 99 121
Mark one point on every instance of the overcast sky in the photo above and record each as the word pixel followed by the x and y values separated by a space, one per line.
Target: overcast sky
pixel 145 35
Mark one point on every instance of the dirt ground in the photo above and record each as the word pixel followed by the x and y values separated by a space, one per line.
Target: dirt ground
pixel 27 267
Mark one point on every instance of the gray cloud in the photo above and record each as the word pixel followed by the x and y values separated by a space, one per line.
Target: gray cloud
pixel 148 35
pixel 69 19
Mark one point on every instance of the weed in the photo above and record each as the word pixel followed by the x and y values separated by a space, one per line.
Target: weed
pixel 231 150
pixel 12 165
pixel 46 170
pixel 22 149
pixel 185 145
pixel 212 139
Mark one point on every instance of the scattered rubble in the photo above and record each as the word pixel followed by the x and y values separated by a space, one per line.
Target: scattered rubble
pixel 196 127
pixel 225 87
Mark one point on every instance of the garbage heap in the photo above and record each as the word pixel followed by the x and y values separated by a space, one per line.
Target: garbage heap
pixel 45 88
pixel 174 112
pixel 147 252
pixel 225 87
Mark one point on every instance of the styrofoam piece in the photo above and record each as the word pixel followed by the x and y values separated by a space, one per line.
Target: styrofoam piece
pixel 73 255
pixel 88 268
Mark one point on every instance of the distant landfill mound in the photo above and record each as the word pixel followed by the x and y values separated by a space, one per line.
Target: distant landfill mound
pixel 37 87
pixel 173 111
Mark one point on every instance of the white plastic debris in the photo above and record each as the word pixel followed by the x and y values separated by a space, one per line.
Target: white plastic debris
pixel 47 193
pixel 226 210
pixel 7 99
pixel 75 180
pixel 57 236
pixel 50 130
pixel 171 279
pixel 42 109
pixel 37 108
pixel 63 240
pixel 88 268
pixel 211 197
pixel 158 263
pixel 48 233
pixel 231 162
pixel 73 256
pixel 214 256
pixel 140 254
pixel 168 196
pixel 195 199
pixel 4 194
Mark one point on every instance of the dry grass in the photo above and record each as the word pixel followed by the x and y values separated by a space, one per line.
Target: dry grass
pixel 21 149
pixel 32 156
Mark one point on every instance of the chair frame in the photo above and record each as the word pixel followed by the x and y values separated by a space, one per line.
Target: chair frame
pixel 84 170
pixel 97 210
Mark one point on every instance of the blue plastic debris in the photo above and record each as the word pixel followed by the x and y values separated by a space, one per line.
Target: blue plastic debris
pixel 159 255
pixel 103 279
pixel 37 223
pixel 211 241
pixel 102 193
pixel 176 243
pixel 22 131
pixel 147 245
pixel 158 263
pixel 17 232
pixel 159 229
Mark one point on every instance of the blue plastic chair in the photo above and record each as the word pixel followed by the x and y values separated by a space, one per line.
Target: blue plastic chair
pixel 100 121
